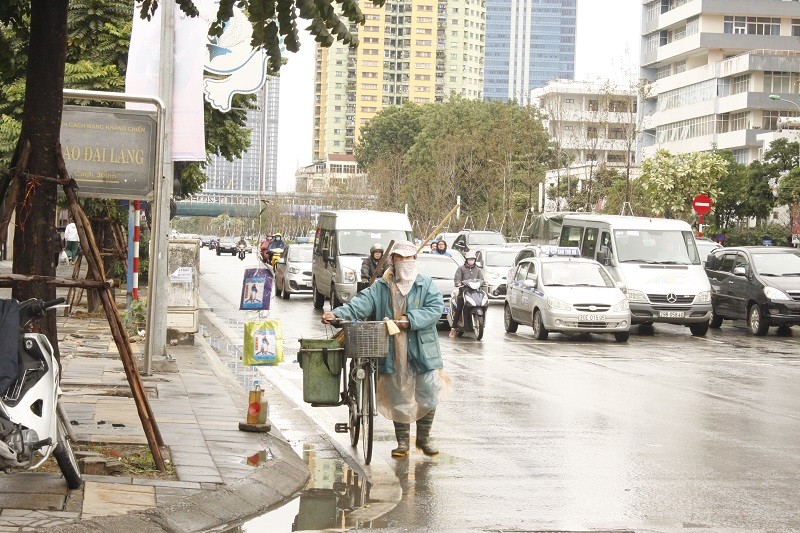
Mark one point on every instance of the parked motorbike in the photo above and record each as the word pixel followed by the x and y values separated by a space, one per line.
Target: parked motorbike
pixel 30 426
pixel 473 317
pixel 241 250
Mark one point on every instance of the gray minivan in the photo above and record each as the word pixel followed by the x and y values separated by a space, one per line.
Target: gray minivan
pixel 341 242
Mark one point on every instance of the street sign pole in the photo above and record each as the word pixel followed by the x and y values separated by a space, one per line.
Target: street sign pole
pixel 702 206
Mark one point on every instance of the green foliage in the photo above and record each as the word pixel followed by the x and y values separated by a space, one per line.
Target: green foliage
pixel 275 19
pixel 134 317
pixel 737 236
pixel 670 181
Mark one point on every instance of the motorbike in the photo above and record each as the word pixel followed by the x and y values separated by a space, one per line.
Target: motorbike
pixel 473 317
pixel 274 256
pixel 32 425
pixel 241 250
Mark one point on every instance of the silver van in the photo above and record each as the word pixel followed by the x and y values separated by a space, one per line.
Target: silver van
pixel 341 242
pixel 655 258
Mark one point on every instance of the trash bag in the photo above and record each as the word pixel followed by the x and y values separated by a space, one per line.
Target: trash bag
pixel 9 343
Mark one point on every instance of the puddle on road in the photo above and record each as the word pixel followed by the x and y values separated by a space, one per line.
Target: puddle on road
pixel 334 490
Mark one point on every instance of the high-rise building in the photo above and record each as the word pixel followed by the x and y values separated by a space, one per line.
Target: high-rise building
pixel 257 170
pixel 528 43
pixel 713 66
pixel 420 51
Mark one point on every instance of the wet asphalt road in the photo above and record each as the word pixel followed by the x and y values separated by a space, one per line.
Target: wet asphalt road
pixel 666 432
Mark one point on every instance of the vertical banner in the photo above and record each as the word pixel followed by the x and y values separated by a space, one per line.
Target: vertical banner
pixel 142 76
pixel 256 289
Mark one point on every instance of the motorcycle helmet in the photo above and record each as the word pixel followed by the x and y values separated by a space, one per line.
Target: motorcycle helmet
pixel 469 255
pixel 377 247
pixel 277 236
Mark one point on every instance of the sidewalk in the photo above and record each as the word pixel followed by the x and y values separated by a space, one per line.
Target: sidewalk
pixel 197 406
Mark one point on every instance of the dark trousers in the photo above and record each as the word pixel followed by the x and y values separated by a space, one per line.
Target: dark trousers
pixel 459 308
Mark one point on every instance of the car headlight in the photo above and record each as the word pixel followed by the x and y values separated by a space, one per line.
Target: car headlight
pixel 555 303
pixel 294 270
pixel 622 305
pixel 636 296
pixel 774 294
pixel 703 297
pixel 349 275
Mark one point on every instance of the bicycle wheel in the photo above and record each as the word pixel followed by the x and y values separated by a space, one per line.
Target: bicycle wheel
pixel 353 393
pixel 367 411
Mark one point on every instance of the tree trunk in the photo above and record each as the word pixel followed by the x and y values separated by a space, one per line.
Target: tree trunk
pixel 41 125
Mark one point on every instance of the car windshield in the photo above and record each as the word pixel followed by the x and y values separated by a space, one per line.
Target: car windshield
pixel 477 239
pixel 575 274
pixel 437 267
pixel 780 264
pixel 300 254
pixel 358 242
pixel 504 258
pixel 665 247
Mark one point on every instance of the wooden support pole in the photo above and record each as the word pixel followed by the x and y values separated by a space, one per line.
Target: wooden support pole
pixel 120 335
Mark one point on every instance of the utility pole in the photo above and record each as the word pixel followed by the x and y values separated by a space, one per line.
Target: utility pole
pixel 156 340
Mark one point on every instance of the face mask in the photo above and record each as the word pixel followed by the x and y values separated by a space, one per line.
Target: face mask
pixel 405 270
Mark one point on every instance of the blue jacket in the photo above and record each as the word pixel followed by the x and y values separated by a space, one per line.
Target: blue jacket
pixel 424 307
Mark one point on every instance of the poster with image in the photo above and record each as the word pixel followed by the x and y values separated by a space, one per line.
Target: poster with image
pixel 263 343
pixel 256 289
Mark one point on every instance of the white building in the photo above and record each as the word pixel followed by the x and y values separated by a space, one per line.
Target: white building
pixel 593 125
pixel 713 65
pixel 337 173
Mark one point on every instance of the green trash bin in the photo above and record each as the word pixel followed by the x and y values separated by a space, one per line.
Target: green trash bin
pixel 321 361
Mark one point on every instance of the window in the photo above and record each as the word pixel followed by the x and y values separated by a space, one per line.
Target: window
pixel 779 82
pixel 569 101
pixel 594 105
pixel 589 243
pixel 616 133
pixel 618 106
pixel 740 84
pixel 591 132
pixel 752 25
pixel 795 27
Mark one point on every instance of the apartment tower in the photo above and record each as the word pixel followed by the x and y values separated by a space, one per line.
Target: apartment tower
pixel 420 51
pixel 528 43
pixel 713 65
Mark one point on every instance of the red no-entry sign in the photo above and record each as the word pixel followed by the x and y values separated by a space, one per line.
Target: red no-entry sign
pixel 701 204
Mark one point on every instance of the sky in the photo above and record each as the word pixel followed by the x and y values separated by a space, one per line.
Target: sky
pixel 607 48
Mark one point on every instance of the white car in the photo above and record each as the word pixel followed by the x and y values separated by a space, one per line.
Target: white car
pixel 567 294
pixel 442 269
pixel 495 262
pixel 293 271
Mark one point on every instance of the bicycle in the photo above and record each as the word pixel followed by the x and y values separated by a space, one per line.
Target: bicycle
pixel 365 343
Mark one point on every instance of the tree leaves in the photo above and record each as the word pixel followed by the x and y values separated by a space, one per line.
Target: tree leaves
pixel 273 20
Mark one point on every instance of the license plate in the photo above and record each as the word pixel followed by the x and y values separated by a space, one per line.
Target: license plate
pixel 594 317
pixel 670 314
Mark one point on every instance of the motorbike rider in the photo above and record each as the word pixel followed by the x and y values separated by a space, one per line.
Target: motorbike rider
pixel 263 247
pixel 441 248
pixel 370 264
pixel 242 242
pixel 276 244
pixel 469 270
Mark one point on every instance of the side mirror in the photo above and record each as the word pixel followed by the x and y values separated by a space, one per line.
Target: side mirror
pixel 739 271
pixel 282 261
pixel 479 264
pixel 530 283
pixel 326 254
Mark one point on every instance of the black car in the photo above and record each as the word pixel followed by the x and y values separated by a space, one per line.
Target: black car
pixel 760 284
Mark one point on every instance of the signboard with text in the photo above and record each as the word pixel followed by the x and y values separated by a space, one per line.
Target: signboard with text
pixel 110 153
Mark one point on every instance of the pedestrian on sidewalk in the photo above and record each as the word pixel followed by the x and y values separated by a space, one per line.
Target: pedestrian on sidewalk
pixel 57 246
pixel 72 240
pixel 410 378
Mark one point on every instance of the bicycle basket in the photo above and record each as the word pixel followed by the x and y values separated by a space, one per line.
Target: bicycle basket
pixel 365 339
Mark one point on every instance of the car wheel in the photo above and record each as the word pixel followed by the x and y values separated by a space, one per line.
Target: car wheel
pixel 539 332
pixel 508 320
pixel 284 291
pixel 622 336
pixel 699 330
pixel 756 322
pixel 319 299
pixel 716 320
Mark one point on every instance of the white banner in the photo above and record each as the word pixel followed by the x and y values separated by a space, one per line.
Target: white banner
pixel 187 119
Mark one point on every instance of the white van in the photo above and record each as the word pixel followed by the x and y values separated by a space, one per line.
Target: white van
pixel 341 242
pixel 655 258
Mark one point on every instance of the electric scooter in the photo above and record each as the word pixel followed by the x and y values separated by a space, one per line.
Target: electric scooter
pixel 30 426
pixel 476 302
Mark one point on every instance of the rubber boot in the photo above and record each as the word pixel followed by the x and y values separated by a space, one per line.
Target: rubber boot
pixel 424 434
pixel 401 432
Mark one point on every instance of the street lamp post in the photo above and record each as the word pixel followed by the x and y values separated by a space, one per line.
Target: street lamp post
pixel 791 207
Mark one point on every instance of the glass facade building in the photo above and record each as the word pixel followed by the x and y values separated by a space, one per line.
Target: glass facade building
pixel 528 43
pixel 258 166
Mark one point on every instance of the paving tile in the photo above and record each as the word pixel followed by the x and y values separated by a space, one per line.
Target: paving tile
pixel 105 499
pixel 47 502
